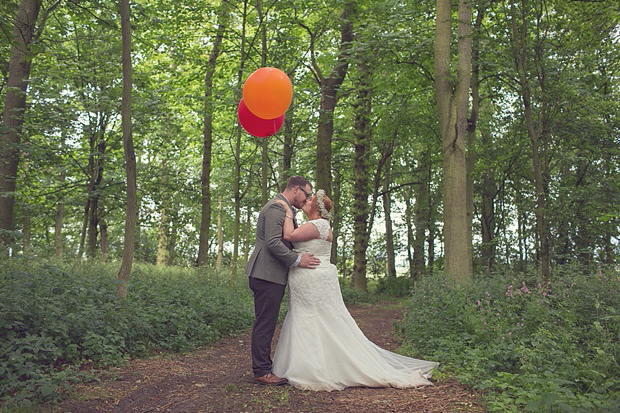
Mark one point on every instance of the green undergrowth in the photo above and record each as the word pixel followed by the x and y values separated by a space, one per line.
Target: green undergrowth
pixel 58 318
pixel 527 343
pixel 353 296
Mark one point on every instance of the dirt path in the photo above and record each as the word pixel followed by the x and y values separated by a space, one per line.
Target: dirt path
pixel 218 379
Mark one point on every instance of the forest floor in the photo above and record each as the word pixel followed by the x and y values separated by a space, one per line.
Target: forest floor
pixel 219 379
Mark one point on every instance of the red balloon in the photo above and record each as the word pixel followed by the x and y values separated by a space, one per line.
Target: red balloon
pixel 259 127
pixel 268 92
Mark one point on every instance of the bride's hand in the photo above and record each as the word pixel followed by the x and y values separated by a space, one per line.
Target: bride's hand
pixel 287 210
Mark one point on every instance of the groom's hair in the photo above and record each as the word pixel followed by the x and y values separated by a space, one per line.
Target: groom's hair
pixel 297 181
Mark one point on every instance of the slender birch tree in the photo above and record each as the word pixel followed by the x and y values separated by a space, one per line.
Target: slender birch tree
pixel 207 134
pixel 131 214
pixel 536 123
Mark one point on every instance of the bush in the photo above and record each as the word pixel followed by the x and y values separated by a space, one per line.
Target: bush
pixel 394 287
pixel 531 344
pixel 54 318
pixel 352 296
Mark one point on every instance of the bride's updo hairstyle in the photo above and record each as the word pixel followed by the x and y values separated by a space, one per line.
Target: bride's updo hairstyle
pixel 324 204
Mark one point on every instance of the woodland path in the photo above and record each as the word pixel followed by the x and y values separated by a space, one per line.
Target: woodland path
pixel 218 379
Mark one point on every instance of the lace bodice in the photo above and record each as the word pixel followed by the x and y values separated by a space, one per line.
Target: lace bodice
pixel 322 225
pixel 319 247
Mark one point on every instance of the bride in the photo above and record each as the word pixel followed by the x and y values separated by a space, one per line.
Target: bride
pixel 320 345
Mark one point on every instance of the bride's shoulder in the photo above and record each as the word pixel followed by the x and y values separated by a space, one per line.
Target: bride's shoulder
pixel 320 221
pixel 322 225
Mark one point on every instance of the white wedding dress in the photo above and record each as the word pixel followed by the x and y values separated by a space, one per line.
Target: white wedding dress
pixel 320 345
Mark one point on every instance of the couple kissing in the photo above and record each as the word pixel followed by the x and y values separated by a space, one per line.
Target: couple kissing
pixel 320 346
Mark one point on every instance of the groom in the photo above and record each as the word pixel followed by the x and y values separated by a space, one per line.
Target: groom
pixel 268 272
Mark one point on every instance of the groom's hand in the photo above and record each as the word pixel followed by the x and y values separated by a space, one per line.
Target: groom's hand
pixel 309 261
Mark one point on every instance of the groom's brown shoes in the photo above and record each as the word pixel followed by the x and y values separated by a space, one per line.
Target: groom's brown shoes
pixel 270 379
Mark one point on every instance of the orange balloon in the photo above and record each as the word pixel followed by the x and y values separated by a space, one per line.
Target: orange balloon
pixel 268 92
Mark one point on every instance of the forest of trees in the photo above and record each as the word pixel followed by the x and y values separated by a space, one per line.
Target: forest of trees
pixel 464 138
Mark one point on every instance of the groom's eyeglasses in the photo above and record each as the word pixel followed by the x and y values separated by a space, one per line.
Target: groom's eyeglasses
pixel 305 193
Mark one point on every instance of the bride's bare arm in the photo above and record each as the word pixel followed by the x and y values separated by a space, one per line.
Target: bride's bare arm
pixel 305 232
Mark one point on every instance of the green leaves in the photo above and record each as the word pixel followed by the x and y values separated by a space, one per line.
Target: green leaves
pixel 530 344
pixel 55 317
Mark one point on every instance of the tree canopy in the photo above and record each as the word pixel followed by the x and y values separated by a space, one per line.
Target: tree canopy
pixel 363 124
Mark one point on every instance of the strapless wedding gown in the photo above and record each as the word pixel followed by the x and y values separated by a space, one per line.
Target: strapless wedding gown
pixel 320 345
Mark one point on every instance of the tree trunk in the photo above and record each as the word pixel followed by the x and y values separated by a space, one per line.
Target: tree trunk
pixel 563 221
pixel 329 98
pixel 343 263
pixel 431 225
pixel 387 212
pixel 422 214
pixel 13 115
pixel 220 237
pixel 59 218
pixel 287 148
pixel 264 176
pixel 173 236
pixel 472 123
pixel 237 172
pixel 487 213
pixel 26 231
pixel 237 217
pixel 248 237
pixel 521 55
pixel 409 224
pixel 103 227
pixel 385 156
pixel 207 135
pixel 584 236
pixel 607 253
pixel 520 234
pixel 130 156
pixel 362 134
pixel 93 226
pixel 161 259
pixel 336 213
pixel 452 110
pixel 98 148
pixel 84 228
pixel 609 227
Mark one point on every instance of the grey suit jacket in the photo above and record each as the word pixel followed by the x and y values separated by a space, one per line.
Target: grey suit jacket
pixel 272 256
